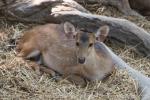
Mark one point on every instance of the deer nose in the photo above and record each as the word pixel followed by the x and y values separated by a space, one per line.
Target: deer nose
pixel 81 60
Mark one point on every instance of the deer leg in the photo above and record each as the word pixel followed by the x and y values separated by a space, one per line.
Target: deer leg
pixel 75 75
pixel 47 71
pixel 39 68
pixel 35 67
pixel 77 80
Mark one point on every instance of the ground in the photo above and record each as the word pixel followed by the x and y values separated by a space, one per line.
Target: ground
pixel 19 81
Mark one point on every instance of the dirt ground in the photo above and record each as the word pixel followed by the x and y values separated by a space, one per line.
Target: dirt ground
pixel 18 81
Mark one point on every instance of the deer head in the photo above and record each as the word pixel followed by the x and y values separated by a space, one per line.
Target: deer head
pixel 85 41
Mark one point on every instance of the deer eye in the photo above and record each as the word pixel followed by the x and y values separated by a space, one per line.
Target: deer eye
pixel 74 36
pixel 91 44
pixel 77 43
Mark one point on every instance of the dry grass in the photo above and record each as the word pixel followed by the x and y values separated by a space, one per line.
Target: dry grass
pixel 18 81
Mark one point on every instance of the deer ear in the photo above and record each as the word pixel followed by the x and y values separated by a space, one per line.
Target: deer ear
pixel 69 28
pixel 102 33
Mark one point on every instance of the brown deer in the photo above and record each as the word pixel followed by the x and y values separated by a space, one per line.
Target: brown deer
pixel 74 53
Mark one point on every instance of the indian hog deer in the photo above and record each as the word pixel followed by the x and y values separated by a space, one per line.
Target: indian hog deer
pixel 75 53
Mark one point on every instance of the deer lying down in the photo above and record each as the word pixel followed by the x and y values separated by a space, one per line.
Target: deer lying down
pixel 74 53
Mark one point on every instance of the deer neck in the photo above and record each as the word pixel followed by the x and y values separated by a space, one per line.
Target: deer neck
pixel 92 59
